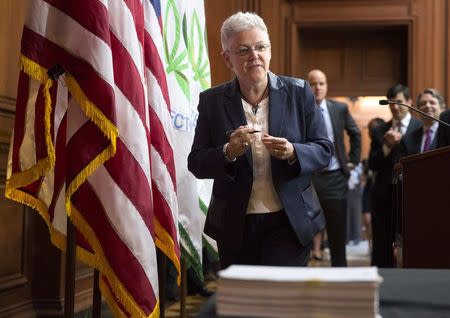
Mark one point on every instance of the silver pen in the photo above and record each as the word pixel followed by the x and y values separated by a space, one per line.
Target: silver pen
pixel 229 132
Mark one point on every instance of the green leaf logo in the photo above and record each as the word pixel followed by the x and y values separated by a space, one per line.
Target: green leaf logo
pixel 196 53
pixel 175 60
pixel 200 63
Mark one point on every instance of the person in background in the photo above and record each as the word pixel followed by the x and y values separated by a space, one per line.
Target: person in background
pixel 384 149
pixel 260 137
pixel 368 180
pixel 367 183
pixel 423 138
pixel 317 248
pixel 331 182
pixel 354 205
pixel 443 133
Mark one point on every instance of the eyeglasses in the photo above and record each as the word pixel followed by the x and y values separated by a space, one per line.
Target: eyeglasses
pixel 245 50
pixel 425 103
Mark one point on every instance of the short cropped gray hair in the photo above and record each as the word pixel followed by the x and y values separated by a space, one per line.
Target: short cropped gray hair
pixel 433 92
pixel 239 22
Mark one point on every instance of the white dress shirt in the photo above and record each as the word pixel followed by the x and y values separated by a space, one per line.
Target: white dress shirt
pixel 400 126
pixel 433 129
pixel 334 163
pixel 403 123
pixel 263 198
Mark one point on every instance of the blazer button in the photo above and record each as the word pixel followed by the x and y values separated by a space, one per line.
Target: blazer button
pixel 310 214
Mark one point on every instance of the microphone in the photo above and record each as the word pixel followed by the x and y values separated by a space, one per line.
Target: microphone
pixel 387 102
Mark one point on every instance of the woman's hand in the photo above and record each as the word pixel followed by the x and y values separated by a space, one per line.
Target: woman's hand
pixel 278 147
pixel 240 141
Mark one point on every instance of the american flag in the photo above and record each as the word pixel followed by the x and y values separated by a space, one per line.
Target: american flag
pixel 95 141
pixel 162 156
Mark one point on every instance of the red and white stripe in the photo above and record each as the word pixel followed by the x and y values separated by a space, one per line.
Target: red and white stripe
pixel 162 156
pixel 125 206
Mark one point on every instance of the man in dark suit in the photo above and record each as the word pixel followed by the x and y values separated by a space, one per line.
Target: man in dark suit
pixel 443 134
pixel 424 138
pixel 384 151
pixel 331 183
pixel 260 137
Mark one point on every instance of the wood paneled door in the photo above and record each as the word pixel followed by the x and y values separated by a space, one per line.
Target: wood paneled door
pixel 361 61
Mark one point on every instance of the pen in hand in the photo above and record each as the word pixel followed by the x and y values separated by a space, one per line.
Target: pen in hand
pixel 229 132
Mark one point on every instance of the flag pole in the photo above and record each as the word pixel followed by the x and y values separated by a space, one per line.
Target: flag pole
pixel 162 274
pixel 183 289
pixel 54 74
pixel 96 296
pixel 69 294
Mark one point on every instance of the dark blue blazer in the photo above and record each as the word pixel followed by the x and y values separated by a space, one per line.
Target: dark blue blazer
pixel 443 133
pixel 412 142
pixel 384 166
pixel 342 120
pixel 292 115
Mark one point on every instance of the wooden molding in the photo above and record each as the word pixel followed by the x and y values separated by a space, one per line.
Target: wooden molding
pixel 446 91
pixel 7 104
pixel 9 282
pixel 426 22
pixel 19 309
pixel 48 307
pixel 356 12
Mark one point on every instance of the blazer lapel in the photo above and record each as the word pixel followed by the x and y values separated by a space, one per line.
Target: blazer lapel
pixel 277 105
pixel 233 105
pixel 334 117
pixel 434 142
pixel 235 111
pixel 417 142
pixel 411 126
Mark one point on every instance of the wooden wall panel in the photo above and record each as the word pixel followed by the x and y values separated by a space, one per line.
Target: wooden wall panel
pixel 272 11
pixel 31 268
pixel 358 62
pixel 371 66
pixel 11 239
pixel 15 268
pixel 23 277
pixel 15 287
pixel 11 23
pixel 46 268
pixel 15 283
pixel 428 45
pixel 446 91
pixel 426 21
pixel 321 12
pixel 215 13
pixel 425 25
pixel 276 14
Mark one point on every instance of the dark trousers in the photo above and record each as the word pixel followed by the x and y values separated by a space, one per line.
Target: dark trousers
pixel 331 188
pixel 383 230
pixel 268 240
pixel 335 211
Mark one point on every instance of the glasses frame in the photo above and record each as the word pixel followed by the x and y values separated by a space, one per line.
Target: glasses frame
pixel 245 50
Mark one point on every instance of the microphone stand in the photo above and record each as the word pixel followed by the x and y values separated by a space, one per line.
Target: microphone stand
pixel 387 102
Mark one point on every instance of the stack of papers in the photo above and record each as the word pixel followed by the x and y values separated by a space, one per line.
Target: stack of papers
pixel 268 291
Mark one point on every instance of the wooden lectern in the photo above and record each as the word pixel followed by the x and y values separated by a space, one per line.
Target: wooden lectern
pixel 423 209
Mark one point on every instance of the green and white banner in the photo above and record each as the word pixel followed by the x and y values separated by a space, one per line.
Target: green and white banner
pixel 188 73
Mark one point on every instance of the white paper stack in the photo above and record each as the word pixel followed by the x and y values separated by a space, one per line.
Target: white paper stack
pixel 266 291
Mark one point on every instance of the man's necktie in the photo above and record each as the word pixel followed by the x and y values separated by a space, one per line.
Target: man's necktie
pixel 398 127
pixel 427 143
